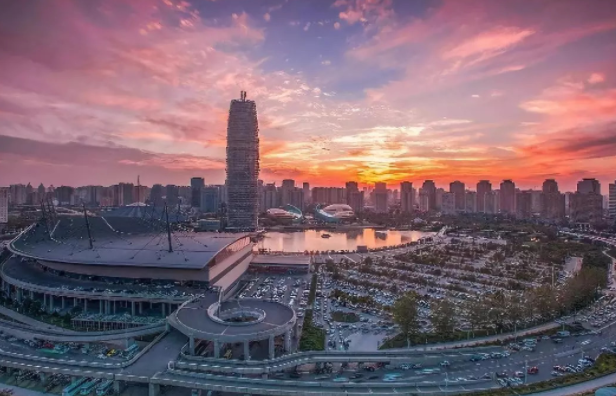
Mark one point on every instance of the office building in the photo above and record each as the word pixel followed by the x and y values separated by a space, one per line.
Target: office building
pixel 156 195
pixel 424 200
pixel 172 195
pixel 286 192
pixel 448 203
pixel 470 202
pixel 4 206
pixel 328 195
pixel 612 201
pixel 354 197
pixel 17 194
pixel 524 204
pixel 439 198
pixel 458 190
pixel 552 201
pixel 209 201
pixel 380 197
pixel 242 165
pixel 64 195
pixel 429 189
pixel 507 197
pixel 407 200
pixel 483 187
pixel 196 185
pixel 585 186
pixel 492 202
pixel 307 195
pixel 269 199
pixel 586 205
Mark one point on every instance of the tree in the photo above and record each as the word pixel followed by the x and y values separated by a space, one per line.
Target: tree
pixel 475 313
pixel 543 299
pixel 443 317
pixel 6 392
pixel 405 315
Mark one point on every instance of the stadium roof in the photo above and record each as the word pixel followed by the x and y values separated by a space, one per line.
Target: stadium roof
pixel 146 212
pixel 120 242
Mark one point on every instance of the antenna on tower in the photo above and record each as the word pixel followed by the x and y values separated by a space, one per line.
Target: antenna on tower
pixel 138 190
pixel 168 228
pixel 85 215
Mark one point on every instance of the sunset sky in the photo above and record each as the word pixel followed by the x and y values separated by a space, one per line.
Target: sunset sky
pixel 98 92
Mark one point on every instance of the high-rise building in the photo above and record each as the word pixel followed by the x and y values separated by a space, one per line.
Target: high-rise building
pixel 492 202
pixel 380 197
pixel 156 195
pixel 448 203
pixel 612 201
pixel 17 194
pixel 127 193
pixel 585 186
pixel 407 201
pixel 439 198
pixel 536 199
pixel 471 202
pixel 328 195
pixel 424 200
pixel 552 201
pixel 64 195
pixel 507 197
pixel 209 200
pixel 586 204
pixel 429 189
pixel 524 204
pixel 307 195
pixel 196 185
pixel 4 206
pixel 242 165
pixel 172 196
pixel 458 190
pixel 270 197
pixel 354 197
pixel 286 192
pixel 483 187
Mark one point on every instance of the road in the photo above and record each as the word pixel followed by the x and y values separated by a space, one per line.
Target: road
pixel 579 388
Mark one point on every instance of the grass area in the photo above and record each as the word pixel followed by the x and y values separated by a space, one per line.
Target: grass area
pixel 313 338
pixel 313 289
pixel 347 317
pixel 605 364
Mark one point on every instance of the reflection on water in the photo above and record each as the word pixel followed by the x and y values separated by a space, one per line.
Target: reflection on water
pixel 339 240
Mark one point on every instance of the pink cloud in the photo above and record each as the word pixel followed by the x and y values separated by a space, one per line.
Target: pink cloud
pixel 596 78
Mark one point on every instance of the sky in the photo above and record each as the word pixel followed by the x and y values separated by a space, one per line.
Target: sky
pixel 99 92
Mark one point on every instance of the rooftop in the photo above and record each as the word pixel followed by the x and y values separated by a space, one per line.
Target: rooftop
pixel 120 241
pixel 281 260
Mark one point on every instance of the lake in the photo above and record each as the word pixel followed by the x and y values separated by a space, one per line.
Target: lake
pixel 339 240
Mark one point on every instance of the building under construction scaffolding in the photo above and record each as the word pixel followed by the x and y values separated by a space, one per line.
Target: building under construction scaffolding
pixel 242 165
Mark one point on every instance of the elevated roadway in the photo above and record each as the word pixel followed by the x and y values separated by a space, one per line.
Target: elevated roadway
pixel 302 358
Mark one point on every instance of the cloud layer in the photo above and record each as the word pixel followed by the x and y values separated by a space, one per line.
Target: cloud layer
pixel 366 90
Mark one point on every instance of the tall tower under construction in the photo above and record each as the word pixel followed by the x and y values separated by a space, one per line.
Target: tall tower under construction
pixel 242 165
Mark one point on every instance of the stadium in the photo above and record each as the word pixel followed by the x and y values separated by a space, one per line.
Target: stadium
pixel 336 213
pixel 288 213
pixel 120 272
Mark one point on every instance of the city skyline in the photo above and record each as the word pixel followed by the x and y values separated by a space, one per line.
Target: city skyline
pixel 348 90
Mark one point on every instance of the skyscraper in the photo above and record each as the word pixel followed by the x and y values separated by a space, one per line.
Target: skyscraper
pixel 612 201
pixel 524 204
pixel 507 197
pixel 209 201
pixel 429 190
pixel 4 206
pixel 587 203
pixel 380 197
pixel 552 201
pixel 196 185
pixel 483 187
pixel 354 197
pixel 471 202
pixel 306 188
pixel 406 197
pixel 242 165
pixel 457 188
pixel 585 186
